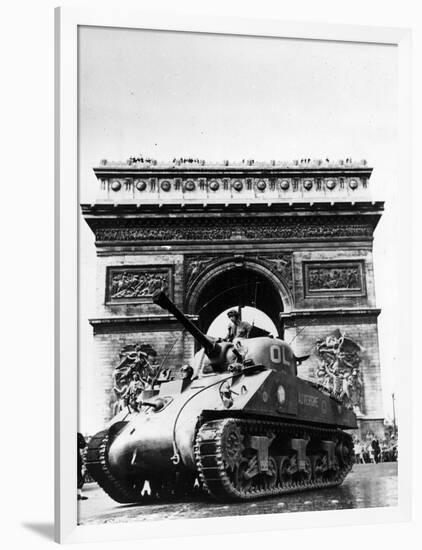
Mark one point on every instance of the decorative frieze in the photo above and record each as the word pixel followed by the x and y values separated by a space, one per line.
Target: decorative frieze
pixel 337 277
pixel 223 229
pixel 136 284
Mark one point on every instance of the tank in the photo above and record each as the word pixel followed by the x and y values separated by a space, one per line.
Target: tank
pixel 239 423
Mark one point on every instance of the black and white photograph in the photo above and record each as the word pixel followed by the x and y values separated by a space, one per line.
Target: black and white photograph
pixel 213 208
pixel 238 275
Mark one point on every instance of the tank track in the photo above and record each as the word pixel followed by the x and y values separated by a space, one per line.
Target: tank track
pixel 98 467
pixel 212 461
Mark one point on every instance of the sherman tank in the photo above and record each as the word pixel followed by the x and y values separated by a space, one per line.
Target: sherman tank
pixel 239 422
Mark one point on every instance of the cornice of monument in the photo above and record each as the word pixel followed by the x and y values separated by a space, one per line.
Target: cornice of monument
pixel 144 181
pixel 239 208
pixel 330 312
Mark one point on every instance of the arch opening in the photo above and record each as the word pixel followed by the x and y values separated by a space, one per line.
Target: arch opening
pixel 238 286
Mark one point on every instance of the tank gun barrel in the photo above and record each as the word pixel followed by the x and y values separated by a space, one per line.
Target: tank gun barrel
pixel 161 299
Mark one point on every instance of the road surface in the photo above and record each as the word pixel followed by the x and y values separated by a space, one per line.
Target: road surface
pixel 367 486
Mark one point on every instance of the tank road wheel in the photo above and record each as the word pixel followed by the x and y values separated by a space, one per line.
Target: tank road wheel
pixel 319 467
pixel 344 452
pixel 269 478
pixel 247 477
pixel 305 475
pixel 241 478
pixel 234 460
pixel 284 471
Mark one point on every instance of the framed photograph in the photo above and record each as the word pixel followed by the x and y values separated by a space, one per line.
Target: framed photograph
pixel 232 290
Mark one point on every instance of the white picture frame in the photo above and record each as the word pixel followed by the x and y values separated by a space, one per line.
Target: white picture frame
pixel 66 248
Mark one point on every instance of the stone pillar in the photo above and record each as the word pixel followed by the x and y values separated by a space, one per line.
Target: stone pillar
pixel 360 326
pixel 127 316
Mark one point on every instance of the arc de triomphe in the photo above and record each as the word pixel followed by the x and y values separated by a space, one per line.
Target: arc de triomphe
pixel 292 239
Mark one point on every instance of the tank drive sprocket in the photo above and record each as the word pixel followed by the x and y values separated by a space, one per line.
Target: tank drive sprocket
pixel 228 455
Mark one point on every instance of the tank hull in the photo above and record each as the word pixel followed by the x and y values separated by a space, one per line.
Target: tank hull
pixel 151 441
pixel 245 430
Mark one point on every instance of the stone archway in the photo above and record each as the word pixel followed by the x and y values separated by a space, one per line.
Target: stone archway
pixel 302 234
pixel 232 283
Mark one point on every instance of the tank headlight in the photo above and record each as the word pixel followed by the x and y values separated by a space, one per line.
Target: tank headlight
pixel 226 395
pixel 157 404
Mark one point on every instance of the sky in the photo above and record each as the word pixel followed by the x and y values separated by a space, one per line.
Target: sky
pixel 218 328
pixel 171 94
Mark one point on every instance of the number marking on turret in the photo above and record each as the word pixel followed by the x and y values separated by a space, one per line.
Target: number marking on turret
pixel 278 355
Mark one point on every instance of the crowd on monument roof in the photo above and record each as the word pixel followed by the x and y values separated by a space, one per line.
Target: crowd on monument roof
pixel 196 161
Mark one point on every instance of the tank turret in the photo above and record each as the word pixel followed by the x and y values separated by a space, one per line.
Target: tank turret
pixel 219 354
pixel 240 421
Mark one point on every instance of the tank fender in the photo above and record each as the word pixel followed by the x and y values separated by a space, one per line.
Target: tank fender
pixel 116 428
pixel 125 415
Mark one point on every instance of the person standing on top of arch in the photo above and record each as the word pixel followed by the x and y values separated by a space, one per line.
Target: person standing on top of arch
pixel 237 328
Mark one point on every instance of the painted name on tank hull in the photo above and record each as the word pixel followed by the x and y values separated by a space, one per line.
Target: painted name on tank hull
pixel 289 396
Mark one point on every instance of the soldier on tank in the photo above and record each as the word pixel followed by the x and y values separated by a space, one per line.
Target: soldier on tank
pixel 236 327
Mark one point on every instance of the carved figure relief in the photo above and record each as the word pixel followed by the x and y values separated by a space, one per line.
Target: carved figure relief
pixel 194 265
pixel 136 284
pixel 333 277
pixel 135 372
pixel 281 264
pixel 339 359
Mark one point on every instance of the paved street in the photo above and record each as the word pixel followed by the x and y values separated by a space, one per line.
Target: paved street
pixel 368 485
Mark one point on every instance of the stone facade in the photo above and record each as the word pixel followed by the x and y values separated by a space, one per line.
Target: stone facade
pixel 167 339
pixel 299 234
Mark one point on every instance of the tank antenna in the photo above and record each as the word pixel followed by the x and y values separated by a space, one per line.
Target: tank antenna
pixel 166 356
pixel 221 293
pixel 297 334
pixel 256 294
